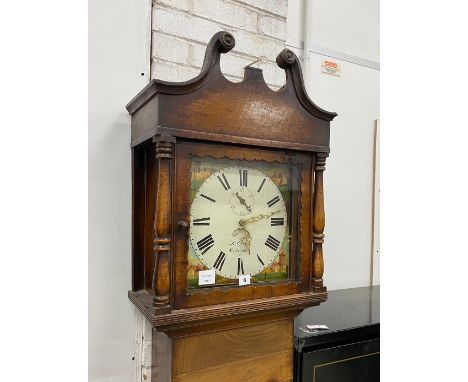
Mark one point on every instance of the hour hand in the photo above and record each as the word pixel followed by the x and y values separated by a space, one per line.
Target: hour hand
pixel 242 201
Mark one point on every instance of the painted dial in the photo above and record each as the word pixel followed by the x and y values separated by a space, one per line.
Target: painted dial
pixel 238 221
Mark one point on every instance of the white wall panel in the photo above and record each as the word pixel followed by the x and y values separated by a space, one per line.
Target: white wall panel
pixel 119 51
pixel 349 26
pixel 348 178
pixel 376 264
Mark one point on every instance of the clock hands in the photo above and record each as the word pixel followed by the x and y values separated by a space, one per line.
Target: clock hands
pixel 253 219
pixel 246 237
pixel 242 201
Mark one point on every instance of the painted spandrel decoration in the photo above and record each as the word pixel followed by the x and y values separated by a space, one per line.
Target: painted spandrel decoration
pixel 240 214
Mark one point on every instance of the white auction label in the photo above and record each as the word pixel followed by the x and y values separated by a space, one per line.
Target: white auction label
pixel 206 277
pixel 244 279
pixel 318 327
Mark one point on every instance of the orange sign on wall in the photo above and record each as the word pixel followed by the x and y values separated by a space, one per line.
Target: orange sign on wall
pixel 331 67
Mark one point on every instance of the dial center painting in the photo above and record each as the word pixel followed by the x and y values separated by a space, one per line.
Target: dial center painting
pixel 239 220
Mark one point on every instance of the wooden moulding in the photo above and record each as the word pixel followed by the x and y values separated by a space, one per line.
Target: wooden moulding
pixel 181 318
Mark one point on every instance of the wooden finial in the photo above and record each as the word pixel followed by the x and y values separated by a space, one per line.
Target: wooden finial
pixel 288 61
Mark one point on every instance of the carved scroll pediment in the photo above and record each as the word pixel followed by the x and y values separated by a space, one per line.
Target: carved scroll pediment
pixel 211 107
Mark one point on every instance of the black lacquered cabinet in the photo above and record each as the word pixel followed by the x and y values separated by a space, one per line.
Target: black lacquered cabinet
pixel 350 350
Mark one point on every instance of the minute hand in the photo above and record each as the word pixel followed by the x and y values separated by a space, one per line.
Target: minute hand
pixel 253 219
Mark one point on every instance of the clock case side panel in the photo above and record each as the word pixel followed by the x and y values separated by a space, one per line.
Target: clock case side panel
pixel 299 281
pixel 144 181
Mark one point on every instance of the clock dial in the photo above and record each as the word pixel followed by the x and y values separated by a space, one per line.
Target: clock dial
pixel 238 221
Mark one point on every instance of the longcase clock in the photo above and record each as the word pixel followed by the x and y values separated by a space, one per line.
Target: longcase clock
pixel 228 219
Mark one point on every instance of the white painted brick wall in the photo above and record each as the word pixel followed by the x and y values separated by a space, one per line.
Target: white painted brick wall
pixel 142 349
pixel 272 26
pixel 277 7
pixel 227 13
pixel 185 5
pixel 182 29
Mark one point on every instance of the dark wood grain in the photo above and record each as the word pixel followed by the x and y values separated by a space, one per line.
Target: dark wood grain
pixel 138 218
pixel 151 187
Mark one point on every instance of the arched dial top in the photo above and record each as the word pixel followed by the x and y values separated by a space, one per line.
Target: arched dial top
pixel 238 222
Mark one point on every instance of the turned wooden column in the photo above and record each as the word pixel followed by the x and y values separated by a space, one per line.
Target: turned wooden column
pixel 163 224
pixel 318 224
